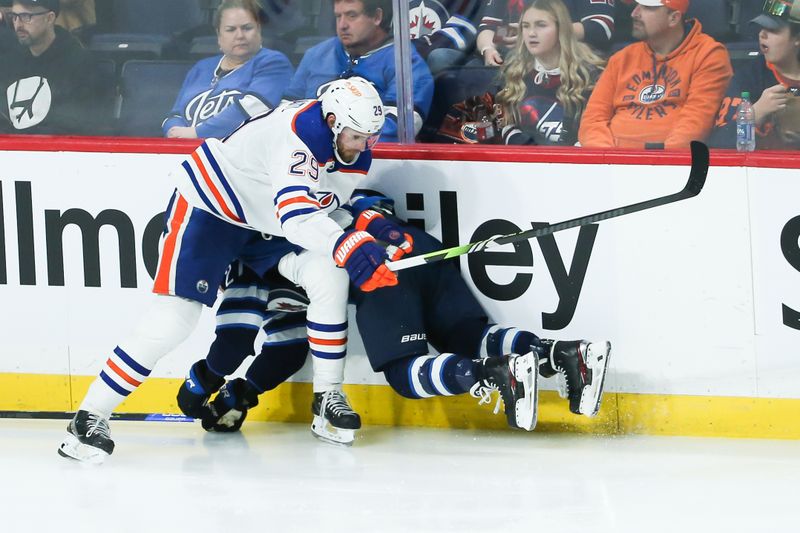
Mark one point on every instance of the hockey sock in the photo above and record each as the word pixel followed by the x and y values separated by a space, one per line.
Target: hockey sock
pixel 328 345
pixel 424 376
pixel 166 324
pixel 276 364
pixel 498 341
pixel 230 348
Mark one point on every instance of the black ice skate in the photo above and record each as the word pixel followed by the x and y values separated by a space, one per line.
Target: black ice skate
pixel 515 378
pixel 582 366
pixel 88 439
pixel 227 412
pixel 197 388
pixel 334 419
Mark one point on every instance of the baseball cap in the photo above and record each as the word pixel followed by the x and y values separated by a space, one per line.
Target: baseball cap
pixel 777 13
pixel 50 5
pixel 677 5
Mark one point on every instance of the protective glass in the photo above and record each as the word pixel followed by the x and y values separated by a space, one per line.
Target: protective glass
pixel 25 18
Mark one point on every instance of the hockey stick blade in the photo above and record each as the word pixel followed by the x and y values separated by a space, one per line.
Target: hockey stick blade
pixel 697 178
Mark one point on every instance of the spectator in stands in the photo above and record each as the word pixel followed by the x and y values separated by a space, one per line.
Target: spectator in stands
pixel 547 79
pixel 443 32
pixel 49 82
pixel 220 92
pixel 773 81
pixel 662 92
pixel 363 47
pixel 593 23
pixel 7 39
pixel 77 16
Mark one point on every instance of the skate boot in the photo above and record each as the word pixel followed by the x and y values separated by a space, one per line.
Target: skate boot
pixel 582 367
pixel 197 388
pixel 88 439
pixel 515 378
pixel 227 412
pixel 334 419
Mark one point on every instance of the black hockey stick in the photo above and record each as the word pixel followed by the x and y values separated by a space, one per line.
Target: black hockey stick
pixel 697 178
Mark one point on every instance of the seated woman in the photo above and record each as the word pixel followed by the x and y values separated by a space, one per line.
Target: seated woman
pixel 773 81
pixel 547 78
pixel 221 92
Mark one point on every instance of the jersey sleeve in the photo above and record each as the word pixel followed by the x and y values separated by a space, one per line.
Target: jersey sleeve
pixel 597 18
pixel 175 116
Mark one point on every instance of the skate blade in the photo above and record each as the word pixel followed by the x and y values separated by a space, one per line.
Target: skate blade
pixel 597 358
pixel 325 432
pixel 526 372
pixel 74 449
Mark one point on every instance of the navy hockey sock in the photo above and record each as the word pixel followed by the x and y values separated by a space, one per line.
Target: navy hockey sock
pixel 498 341
pixel 424 376
pixel 230 348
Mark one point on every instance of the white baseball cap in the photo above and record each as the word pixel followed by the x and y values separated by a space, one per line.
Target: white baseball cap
pixel 677 5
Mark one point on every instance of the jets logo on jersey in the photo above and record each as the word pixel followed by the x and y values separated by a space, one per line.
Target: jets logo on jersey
pixel 29 101
pixel 425 17
pixel 544 115
pixel 204 106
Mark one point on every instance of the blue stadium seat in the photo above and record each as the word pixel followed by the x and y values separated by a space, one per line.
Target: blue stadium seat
pixel 143 29
pixel 148 90
pixel 715 16
pixel 743 12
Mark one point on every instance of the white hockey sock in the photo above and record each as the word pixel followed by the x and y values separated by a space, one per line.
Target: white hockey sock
pixel 166 324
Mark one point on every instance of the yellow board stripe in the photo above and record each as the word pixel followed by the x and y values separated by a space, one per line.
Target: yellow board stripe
pixel 621 413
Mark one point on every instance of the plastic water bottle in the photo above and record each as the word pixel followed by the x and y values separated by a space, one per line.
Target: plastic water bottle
pixel 745 125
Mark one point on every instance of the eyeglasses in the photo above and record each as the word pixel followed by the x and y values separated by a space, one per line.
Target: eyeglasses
pixel 25 17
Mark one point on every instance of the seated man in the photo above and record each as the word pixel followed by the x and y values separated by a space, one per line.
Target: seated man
pixel 363 47
pixel 662 92
pixel 50 84
pixel 431 304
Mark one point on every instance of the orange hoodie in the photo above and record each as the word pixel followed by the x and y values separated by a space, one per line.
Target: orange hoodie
pixel 644 98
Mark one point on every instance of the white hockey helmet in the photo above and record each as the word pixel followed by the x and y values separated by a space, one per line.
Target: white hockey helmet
pixel 356 105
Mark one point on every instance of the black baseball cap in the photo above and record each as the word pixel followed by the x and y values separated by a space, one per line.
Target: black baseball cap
pixel 777 13
pixel 50 5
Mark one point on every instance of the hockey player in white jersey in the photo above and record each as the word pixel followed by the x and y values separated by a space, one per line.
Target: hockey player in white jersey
pixel 282 176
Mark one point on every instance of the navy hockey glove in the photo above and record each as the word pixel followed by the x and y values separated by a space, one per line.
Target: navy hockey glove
pixel 374 223
pixel 358 253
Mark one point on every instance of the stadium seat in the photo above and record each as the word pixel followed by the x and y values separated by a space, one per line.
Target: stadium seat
pixel 715 16
pixel 743 12
pixel 148 90
pixel 144 29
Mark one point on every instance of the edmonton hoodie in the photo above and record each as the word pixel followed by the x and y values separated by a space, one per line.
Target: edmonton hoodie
pixel 643 98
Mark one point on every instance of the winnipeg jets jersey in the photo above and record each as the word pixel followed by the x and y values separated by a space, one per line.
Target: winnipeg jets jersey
pixel 215 105
pixel 276 174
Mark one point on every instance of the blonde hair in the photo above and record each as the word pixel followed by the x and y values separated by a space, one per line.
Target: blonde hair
pixel 251 6
pixel 578 65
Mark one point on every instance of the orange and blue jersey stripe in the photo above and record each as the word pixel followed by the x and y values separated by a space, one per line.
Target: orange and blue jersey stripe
pixel 294 201
pixel 214 190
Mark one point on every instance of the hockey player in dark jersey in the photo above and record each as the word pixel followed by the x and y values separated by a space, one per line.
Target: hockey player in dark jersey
pixel 432 304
